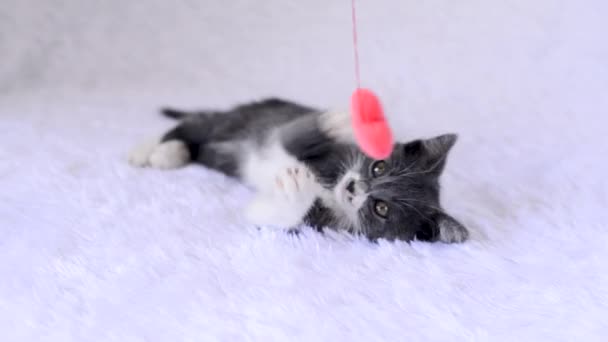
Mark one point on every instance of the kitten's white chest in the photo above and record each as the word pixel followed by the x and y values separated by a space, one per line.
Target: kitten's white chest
pixel 286 188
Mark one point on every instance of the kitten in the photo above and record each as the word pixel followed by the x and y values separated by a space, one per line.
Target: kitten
pixel 307 169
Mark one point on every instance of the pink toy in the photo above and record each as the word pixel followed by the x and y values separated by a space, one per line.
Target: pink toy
pixel 372 132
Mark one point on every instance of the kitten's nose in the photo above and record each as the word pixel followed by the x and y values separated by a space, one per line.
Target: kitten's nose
pixel 357 187
pixel 363 186
pixel 351 186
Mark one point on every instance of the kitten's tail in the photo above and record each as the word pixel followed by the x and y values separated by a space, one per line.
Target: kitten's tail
pixel 182 114
pixel 174 113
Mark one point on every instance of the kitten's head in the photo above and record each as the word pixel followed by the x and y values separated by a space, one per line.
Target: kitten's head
pixel 395 198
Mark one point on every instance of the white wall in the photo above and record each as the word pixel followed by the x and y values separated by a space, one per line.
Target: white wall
pixel 438 65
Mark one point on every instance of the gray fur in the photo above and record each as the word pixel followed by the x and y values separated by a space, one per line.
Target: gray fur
pixel 409 187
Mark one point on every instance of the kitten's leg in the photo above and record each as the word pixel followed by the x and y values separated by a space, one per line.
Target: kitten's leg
pixel 295 188
pixel 177 147
pixel 314 135
pixel 285 205
pixel 450 230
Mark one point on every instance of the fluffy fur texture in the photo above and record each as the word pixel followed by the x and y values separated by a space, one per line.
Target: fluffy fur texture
pixel 306 168
pixel 92 249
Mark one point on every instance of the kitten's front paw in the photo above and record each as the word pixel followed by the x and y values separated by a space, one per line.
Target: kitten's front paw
pixel 295 183
pixel 450 230
pixel 455 234
pixel 294 192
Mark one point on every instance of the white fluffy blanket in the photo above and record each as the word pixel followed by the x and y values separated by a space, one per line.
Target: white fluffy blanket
pixel 93 250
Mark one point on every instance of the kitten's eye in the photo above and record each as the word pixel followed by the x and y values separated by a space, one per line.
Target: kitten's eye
pixel 378 168
pixel 381 208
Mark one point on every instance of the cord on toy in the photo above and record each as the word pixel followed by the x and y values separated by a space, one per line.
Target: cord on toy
pixel 355 45
pixel 372 132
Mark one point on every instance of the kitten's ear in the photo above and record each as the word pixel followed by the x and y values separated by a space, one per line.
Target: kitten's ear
pixel 431 153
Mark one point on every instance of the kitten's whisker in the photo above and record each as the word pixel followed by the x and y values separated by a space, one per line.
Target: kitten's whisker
pixel 409 167
pixel 385 180
pixel 423 202
pixel 430 169
pixel 417 211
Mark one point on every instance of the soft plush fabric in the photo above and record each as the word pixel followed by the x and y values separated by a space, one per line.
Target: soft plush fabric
pixel 94 250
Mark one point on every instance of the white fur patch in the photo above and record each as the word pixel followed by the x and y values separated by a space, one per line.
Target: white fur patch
pixel 261 165
pixel 286 187
pixel 140 155
pixel 338 125
pixel 167 155
pixel 285 204
pixel 349 202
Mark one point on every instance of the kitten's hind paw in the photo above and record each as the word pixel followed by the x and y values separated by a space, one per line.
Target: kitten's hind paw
pixel 167 155
pixel 170 155
pixel 140 154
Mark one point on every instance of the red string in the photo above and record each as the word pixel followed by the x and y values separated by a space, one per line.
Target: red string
pixel 355 46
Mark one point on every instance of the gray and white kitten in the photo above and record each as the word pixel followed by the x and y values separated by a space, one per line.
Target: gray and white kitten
pixel 307 169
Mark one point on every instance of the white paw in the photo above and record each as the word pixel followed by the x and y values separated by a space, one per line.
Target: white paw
pixel 293 193
pixel 140 155
pixel 167 155
pixel 295 183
